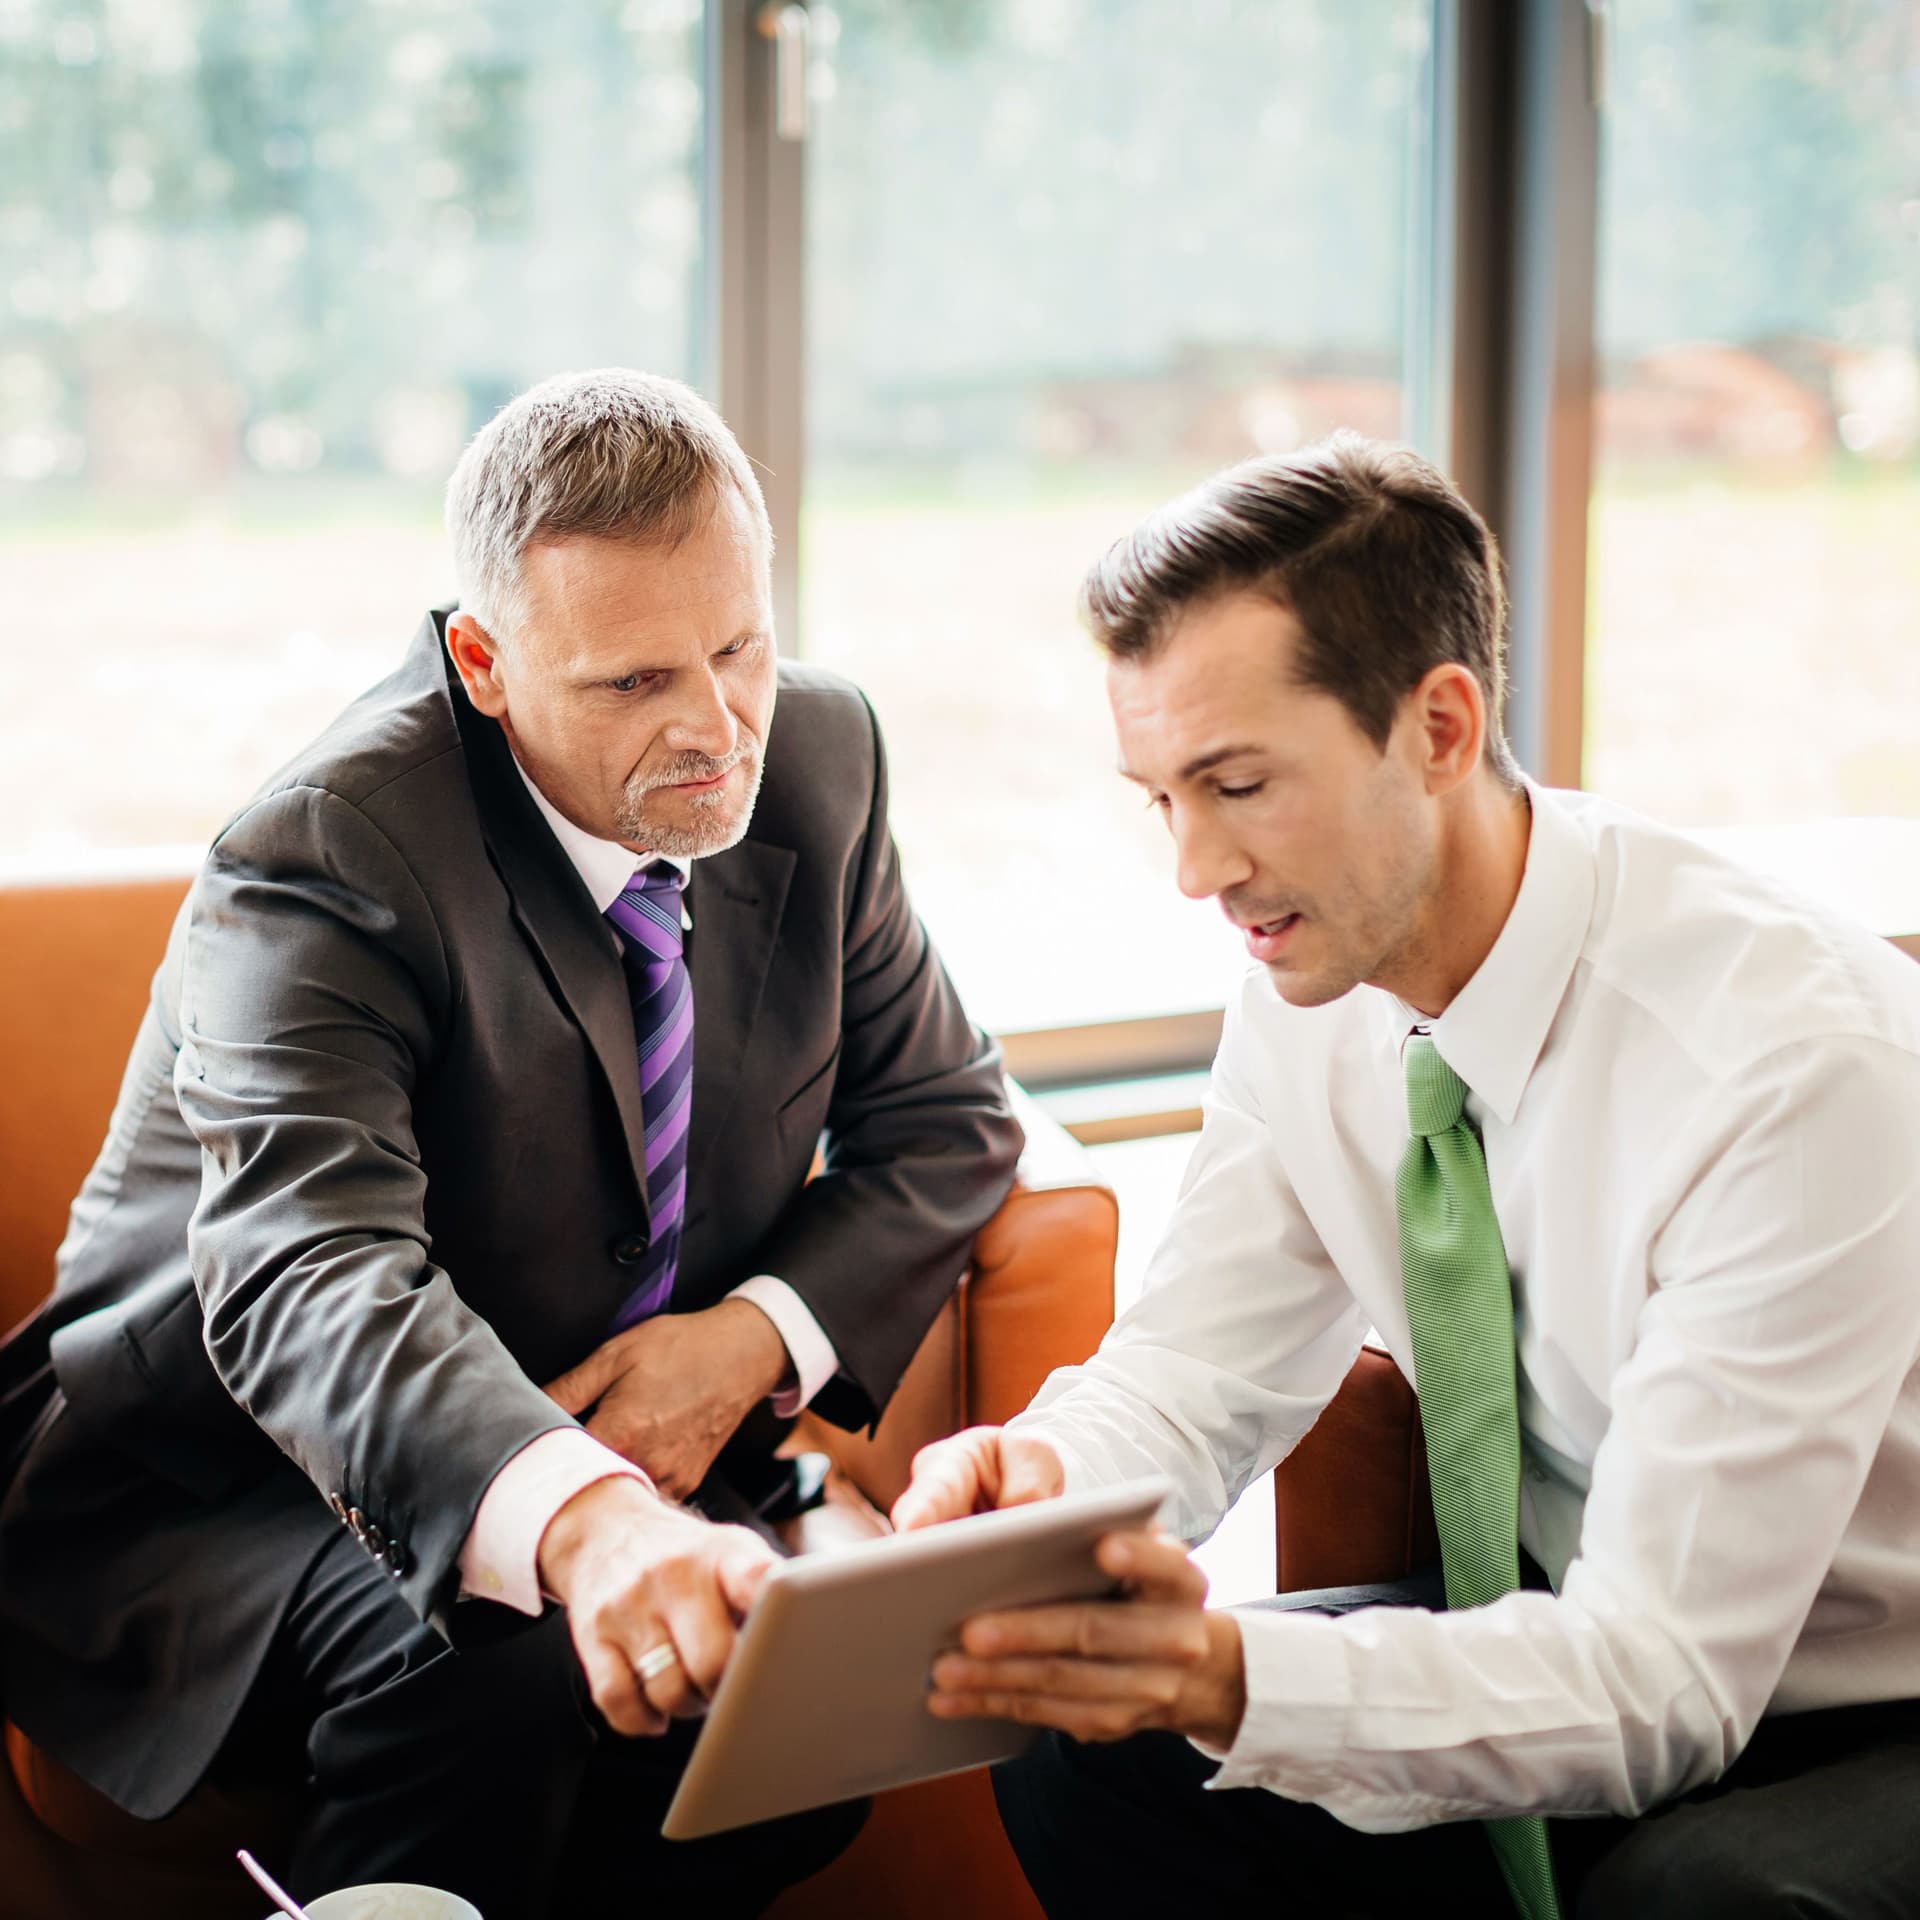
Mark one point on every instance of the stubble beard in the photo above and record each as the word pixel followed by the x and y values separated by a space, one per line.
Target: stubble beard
pixel 1368 938
pixel 1386 943
pixel 718 819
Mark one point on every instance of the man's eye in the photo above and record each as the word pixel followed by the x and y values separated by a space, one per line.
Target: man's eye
pixel 745 641
pixel 629 682
pixel 1240 793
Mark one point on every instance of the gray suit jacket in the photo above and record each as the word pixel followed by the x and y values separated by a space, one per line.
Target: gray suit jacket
pixel 375 1172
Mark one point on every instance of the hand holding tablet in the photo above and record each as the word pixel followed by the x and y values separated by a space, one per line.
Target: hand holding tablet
pixel 826 1696
pixel 1099 1672
pixel 1159 1662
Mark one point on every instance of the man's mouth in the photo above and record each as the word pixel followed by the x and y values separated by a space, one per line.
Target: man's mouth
pixel 1266 938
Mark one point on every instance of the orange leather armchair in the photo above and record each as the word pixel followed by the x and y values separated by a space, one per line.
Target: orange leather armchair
pixel 75 964
pixel 1352 1506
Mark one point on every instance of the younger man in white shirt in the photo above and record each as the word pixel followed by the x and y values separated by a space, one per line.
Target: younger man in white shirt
pixel 1668 1113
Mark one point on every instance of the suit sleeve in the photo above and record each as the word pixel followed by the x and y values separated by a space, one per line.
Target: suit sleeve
pixel 314 987
pixel 921 1142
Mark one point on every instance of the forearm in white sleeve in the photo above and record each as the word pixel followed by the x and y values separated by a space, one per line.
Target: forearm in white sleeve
pixel 1242 1335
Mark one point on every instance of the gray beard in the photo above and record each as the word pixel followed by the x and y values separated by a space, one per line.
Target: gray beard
pixel 701 836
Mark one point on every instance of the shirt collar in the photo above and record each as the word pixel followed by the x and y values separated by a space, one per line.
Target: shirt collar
pixel 604 866
pixel 1493 1032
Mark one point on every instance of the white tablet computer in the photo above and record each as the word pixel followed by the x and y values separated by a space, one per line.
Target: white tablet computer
pixel 825 1697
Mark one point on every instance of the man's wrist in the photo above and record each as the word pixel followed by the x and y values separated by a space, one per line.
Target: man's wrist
pixel 1217 1702
pixel 590 1511
pixel 768 1365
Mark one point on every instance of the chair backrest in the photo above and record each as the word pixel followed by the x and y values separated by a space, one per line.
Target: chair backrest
pixel 1039 1295
pixel 76 964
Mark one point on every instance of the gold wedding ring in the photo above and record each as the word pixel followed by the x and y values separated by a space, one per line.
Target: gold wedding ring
pixel 656 1660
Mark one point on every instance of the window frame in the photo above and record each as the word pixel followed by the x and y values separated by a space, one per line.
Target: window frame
pixel 1500 358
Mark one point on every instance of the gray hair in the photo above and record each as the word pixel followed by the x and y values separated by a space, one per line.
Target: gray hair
pixel 611 455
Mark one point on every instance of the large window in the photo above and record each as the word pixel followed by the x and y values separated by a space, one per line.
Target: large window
pixel 1754 634
pixel 264 265
pixel 1027 268
pixel 1064 259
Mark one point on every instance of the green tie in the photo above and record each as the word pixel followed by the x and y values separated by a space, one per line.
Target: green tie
pixel 1453 1265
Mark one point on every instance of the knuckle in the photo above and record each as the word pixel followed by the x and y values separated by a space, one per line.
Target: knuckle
pixel 685 1567
pixel 677 1702
pixel 620 1704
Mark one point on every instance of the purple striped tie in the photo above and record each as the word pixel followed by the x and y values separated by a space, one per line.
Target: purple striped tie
pixel 648 918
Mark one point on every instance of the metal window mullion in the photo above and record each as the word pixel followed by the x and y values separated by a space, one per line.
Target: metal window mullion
pixel 1550 420
pixel 1513 278
pixel 755 285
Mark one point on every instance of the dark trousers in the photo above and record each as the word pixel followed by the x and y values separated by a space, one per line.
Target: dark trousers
pixel 486 1770
pixel 1817 1818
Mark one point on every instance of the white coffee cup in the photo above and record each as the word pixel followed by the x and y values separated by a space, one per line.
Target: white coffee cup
pixel 391 1900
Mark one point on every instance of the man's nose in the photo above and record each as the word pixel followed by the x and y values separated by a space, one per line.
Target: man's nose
pixel 1207 861
pixel 702 720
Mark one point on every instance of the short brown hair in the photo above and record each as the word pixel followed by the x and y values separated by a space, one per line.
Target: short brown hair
pixel 1375 553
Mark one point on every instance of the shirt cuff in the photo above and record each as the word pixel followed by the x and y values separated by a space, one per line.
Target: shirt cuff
pixel 501 1558
pixel 1299 1695
pixel 812 1354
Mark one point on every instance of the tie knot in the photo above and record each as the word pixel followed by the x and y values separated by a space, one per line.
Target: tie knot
pixel 659 880
pixel 1436 1095
pixel 648 912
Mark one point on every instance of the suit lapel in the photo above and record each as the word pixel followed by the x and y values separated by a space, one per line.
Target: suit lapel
pixel 577 949
pixel 736 900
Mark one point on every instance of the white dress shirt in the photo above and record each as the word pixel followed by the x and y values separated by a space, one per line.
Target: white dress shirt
pixel 500 1557
pixel 1700 1101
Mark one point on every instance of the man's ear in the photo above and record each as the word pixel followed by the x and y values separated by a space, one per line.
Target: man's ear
pixel 476 659
pixel 1451 714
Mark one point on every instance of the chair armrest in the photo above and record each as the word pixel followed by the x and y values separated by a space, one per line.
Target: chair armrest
pixel 1040 1291
pixel 1351 1502
pixel 1038 1295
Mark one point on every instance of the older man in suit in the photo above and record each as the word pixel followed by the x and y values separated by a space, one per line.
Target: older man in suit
pixel 454 1224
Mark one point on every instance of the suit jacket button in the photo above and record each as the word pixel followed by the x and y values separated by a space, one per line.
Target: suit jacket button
pixel 376 1541
pixel 630 1249
pixel 396 1559
pixel 357 1524
pixel 339 1507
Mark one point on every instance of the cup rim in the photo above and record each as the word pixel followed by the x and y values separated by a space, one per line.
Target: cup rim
pixel 462 1908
